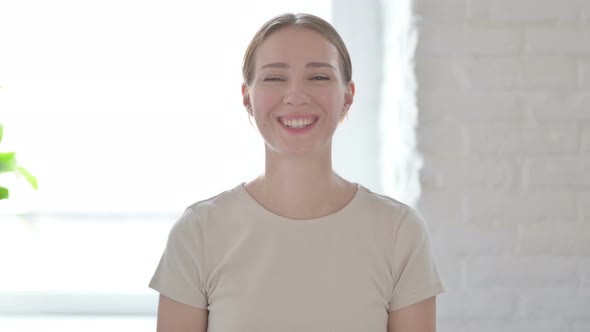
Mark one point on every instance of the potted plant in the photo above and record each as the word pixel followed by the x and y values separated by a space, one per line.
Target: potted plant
pixel 8 164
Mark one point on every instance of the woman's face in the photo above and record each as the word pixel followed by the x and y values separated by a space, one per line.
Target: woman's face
pixel 297 96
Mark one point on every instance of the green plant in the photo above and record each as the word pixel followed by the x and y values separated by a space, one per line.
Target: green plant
pixel 8 164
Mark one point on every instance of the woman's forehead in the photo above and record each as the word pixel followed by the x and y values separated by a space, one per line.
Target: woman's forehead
pixel 294 44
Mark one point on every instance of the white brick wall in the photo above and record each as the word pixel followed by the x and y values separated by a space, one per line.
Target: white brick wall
pixel 504 131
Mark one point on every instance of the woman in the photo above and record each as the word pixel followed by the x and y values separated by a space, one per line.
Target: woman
pixel 299 248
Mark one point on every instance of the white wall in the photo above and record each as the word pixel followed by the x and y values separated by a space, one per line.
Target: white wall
pixel 504 131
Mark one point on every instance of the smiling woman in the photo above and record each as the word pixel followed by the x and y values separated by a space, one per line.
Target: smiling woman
pixel 137 111
pixel 299 247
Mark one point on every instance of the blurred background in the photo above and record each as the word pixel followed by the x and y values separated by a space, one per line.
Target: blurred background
pixel 476 112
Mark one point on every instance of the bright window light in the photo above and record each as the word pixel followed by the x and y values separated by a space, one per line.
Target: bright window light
pixel 129 106
pixel 126 111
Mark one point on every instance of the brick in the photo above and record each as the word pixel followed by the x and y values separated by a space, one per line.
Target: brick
pixel 515 208
pixel 580 327
pixel 476 304
pixel 557 305
pixel 583 201
pixel 585 274
pixel 487 74
pixel 585 145
pixel 440 9
pixel 522 141
pixel 441 140
pixel 535 10
pixel 472 107
pixel 585 17
pixel 479 9
pixel 584 75
pixel 555 239
pixel 548 73
pixel 472 240
pixel 549 108
pixel 522 273
pixel 557 40
pixel 458 39
pixel 439 74
pixel 497 325
pixel 441 208
pixel 469 174
pixel 558 173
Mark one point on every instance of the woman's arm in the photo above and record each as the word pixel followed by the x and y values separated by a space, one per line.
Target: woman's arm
pixel 174 316
pixel 419 317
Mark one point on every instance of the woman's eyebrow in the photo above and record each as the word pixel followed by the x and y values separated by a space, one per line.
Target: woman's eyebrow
pixel 275 65
pixel 319 65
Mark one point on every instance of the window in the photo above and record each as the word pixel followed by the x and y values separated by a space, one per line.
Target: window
pixel 127 111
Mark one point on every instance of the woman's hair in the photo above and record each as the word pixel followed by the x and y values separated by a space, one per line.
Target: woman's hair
pixel 296 20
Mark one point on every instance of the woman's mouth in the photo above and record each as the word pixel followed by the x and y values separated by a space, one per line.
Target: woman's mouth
pixel 298 123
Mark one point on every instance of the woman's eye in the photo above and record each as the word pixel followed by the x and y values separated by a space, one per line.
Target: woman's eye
pixel 320 78
pixel 273 79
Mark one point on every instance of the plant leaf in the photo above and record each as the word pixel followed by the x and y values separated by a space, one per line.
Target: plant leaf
pixel 28 176
pixel 7 162
pixel 3 193
pixel 1 131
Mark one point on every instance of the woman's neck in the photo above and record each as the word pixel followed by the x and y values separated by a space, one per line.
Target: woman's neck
pixel 301 187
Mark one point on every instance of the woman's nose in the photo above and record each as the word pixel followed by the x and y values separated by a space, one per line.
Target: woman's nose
pixel 295 94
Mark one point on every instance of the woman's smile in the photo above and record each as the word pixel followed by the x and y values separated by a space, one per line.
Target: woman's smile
pixel 297 123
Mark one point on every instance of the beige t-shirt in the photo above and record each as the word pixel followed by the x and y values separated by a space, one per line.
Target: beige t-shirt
pixel 257 271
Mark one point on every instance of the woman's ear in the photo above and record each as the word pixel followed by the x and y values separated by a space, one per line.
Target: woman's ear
pixel 246 98
pixel 348 97
pixel 350 90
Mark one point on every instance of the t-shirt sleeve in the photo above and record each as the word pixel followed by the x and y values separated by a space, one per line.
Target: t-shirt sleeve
pixel 180 274
pixel 415 274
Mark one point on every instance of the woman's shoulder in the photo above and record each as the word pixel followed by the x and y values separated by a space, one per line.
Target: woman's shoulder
pixel 389 207
pixel 409 226
pixel 215 200
pixel 383 202
pixel 204 209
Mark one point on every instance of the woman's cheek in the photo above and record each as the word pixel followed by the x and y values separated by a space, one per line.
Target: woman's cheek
pixel 267 101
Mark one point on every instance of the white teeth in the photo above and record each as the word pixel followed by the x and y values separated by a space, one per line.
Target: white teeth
pixel 297 123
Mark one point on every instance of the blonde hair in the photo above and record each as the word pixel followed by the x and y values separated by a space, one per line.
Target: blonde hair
pixel 297 20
